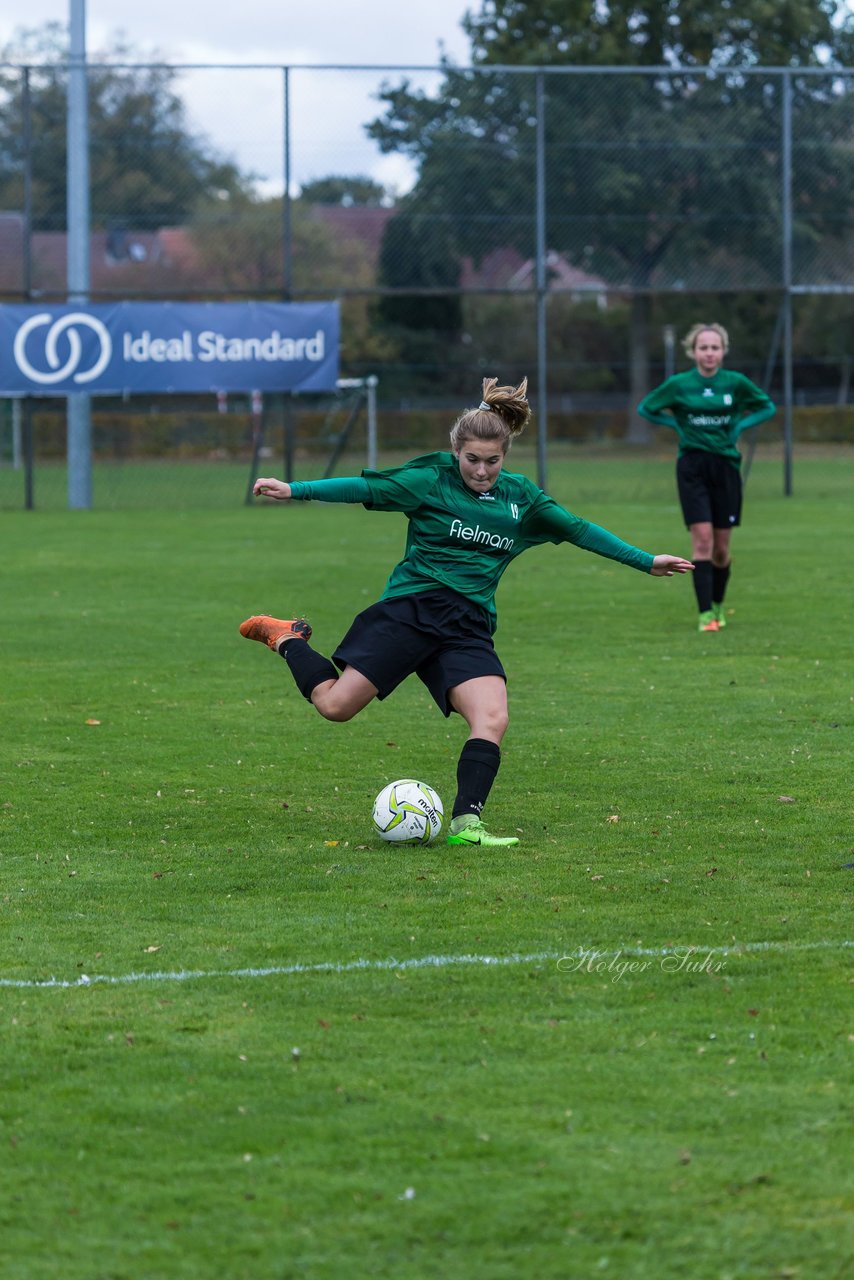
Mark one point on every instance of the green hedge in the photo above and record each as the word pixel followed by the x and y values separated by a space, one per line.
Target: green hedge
pixel 198 434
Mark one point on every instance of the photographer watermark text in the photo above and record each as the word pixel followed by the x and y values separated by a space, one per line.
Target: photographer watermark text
pixel 616 964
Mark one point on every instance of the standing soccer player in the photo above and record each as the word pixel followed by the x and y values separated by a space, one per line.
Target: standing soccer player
pixel 709 407
pixel 468 519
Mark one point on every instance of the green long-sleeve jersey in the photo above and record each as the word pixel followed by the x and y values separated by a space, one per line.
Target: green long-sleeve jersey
pixel 708 413
pixel 461 539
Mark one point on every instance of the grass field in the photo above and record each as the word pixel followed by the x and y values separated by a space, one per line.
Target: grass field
pixel 243 1039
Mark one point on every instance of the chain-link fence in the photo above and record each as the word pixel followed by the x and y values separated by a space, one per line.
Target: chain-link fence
pixel 564 223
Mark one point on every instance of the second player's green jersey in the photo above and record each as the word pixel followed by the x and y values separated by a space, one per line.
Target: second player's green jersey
pixel 708 413
pixel 465 540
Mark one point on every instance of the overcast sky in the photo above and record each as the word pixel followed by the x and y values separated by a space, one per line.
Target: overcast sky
pixel 240 112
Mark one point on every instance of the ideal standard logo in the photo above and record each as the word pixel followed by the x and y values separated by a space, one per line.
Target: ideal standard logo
pixel 211 347
pixel 40 340
pixel 42 332
pixel 124 347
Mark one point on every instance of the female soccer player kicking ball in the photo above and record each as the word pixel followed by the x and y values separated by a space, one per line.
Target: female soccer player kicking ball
pixel 709 407
pixel 468 519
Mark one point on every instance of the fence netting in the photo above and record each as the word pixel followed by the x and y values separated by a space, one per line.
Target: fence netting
pixel 470 221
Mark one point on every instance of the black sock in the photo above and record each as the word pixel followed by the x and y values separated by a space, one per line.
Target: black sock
pixel 476 770
pixel 720 577
pixel 308 667
pixel 702 576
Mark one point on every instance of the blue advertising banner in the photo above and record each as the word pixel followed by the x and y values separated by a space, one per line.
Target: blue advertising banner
pixel 109 349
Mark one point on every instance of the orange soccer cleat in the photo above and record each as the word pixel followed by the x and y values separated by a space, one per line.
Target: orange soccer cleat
pixel 274 631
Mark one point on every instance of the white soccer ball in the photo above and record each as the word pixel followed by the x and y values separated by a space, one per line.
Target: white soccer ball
pixel 408 812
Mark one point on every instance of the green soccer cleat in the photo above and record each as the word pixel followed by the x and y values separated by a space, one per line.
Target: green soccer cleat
pixel 720 616
pixel 468 829
pixel 708 621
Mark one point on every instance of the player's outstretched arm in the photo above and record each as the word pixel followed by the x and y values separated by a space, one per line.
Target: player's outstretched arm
pixel 267 487
pixel 666 566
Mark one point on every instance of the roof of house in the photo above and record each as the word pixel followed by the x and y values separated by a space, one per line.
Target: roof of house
pixel 362 222
pixel 507 269
pixel 166 261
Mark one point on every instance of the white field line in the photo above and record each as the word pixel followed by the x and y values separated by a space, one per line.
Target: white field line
pixel 582 956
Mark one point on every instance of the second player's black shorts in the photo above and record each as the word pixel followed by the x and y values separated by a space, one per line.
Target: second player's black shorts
pixel 709 489
pixel 440 636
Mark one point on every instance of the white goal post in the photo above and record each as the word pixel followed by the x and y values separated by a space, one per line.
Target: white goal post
pixel 370 386
pixel 363 394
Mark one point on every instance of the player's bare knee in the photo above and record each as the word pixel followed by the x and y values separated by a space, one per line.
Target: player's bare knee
pixel 339 714
pixel 492 726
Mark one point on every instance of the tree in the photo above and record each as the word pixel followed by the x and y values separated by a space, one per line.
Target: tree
pixel 147 169
pixel 681 34
pixel 238 249
pixel 417 254
pixel 347 191
pixel 653 181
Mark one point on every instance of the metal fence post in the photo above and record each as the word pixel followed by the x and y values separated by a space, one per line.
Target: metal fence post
pixel 287 227
pixel 79 409
pixel 27 111
pixel 27 282
pixel 542 298
pixel 288 431
pixel 787 281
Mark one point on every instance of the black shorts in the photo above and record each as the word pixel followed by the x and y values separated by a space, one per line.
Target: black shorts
pixel 709 489
pixel 440 636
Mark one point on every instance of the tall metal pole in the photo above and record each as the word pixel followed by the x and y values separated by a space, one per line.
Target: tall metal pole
pixel 542 327
pixel 29 501
pixel 787 283
pixel 79 406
